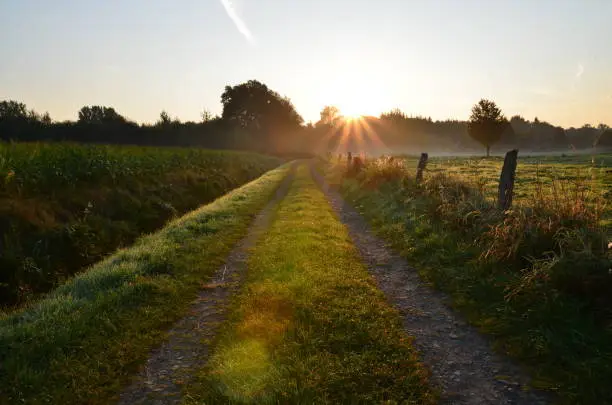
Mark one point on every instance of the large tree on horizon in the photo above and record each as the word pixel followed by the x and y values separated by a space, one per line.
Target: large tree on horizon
pixel 487 123
pixel 259 111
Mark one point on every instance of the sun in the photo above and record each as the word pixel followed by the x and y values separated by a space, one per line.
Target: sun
pixel 352 118
pixel 354 105
pixel 354 97
pixel 351 110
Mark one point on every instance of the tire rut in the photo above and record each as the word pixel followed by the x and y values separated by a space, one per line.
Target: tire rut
pixel 187 347
pixel 462 363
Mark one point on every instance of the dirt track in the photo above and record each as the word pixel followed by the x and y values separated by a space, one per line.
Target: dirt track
pixel 188 345
pixel 462 363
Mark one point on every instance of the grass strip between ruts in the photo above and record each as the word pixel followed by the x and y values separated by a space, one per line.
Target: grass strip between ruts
pixel 310 325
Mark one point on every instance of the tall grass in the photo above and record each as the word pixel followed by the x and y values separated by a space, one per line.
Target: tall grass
pixel 65 206
pixel 558 224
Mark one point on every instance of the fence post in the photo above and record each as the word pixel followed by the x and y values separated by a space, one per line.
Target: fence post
pixel 506 180
pixel 421 167
pixel 349 158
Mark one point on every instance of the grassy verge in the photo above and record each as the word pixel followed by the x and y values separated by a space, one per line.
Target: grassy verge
pixel 535 278
pixel 310 325
pixel 66 206
pixel 81 342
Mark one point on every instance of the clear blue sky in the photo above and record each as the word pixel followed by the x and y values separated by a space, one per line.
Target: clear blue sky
pixel 546 58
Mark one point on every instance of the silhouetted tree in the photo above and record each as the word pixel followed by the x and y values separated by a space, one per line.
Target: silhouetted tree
pixel 13 110
pixel 330 115
pixel 17 123
pixel 46 119
pixel 99 115
pixel 164 119
pixel 582 138
pixel 604 140
pixel 521 126
pixel 255 117
pixel 255 109
pixel 207 116
pixel 486 123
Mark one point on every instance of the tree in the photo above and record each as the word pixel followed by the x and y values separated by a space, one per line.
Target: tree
pixel 604 140
pixel 46 119
pixel 13 110
pixel 487 123
pixel 164 119
pixel 330 115
pixel 259 111
pixel 395 115
pixel 207 116
pixel 521 126
pixel 99 115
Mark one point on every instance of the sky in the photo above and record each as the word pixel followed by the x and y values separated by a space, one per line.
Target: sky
pixel 550 59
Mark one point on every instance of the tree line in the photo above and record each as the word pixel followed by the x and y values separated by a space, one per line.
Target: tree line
pixel 256 117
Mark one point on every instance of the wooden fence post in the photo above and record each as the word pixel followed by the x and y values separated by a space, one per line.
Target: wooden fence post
pixel 506 180
pixel 349 158
pixel 421 167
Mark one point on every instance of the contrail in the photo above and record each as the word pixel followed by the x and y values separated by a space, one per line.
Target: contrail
pixel 231 12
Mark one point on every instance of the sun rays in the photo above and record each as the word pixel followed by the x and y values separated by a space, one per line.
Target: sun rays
pixel 353 133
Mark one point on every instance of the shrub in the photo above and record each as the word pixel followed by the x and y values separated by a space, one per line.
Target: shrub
pixel 381 170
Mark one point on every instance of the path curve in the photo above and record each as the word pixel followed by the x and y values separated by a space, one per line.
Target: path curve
pixel 461 360
pixel 186 348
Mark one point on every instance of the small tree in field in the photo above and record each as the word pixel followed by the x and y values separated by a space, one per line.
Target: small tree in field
pixel 487 123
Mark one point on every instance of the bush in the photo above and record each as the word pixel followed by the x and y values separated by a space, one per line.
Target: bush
pixel 381 170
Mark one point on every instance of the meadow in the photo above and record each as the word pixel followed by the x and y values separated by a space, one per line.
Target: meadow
pixel 554 177
pixel 66 206
pixel 536 278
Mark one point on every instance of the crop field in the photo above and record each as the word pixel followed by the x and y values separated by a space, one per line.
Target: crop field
pixel 82 341
pixel 65 206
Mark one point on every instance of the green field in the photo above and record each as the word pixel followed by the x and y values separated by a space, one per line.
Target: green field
pixel 66 206
pixel 549 177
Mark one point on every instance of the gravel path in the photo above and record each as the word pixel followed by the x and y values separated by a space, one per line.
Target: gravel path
pixel 463 365
pixel 186 349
